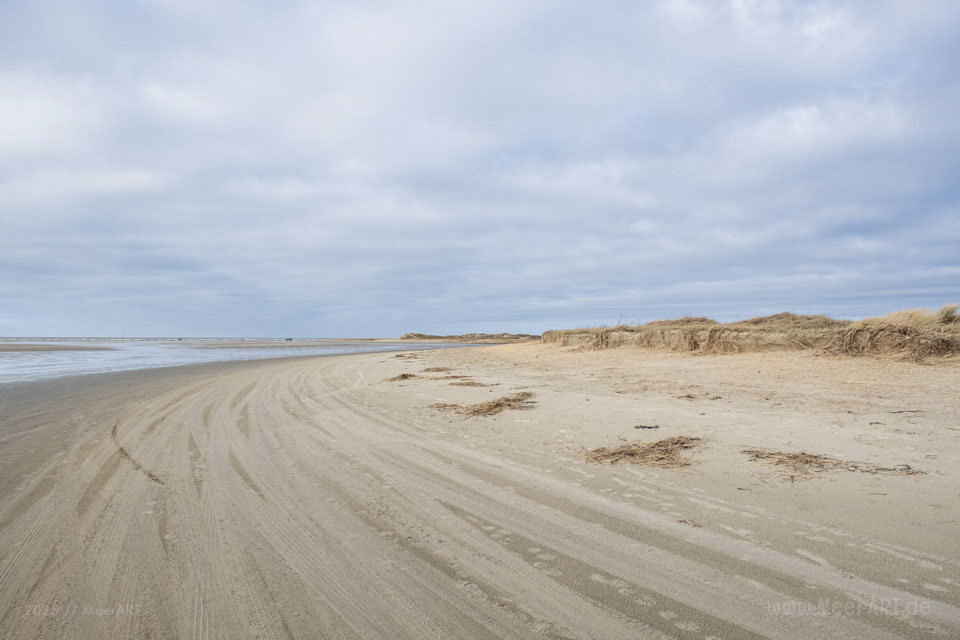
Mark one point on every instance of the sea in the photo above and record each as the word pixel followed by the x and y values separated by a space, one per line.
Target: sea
pixel 130 354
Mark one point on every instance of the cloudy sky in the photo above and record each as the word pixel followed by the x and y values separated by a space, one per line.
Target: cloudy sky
pixel 297 168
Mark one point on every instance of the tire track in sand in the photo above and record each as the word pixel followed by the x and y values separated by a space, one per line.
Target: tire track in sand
pixel 297 501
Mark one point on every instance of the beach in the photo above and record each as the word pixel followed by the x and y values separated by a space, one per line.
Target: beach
pixel 388 495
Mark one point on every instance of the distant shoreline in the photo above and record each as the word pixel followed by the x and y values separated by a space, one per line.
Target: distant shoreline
pixel 27 362
pixel 8 347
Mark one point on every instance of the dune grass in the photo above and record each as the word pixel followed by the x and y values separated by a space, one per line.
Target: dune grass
pixel 916 335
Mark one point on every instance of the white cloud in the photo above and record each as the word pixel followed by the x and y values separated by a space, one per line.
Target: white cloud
pixel 43 114
pixel 188 104
pixel 801 131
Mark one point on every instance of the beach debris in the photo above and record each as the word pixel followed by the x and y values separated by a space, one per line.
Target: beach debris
pixel 804 464
pixel 446 406
pixel 521 401
pixel 436 370
pixel 689 522
pixel 469 383
pixel 667 453
pixel 411 376
pixel 646 426
pixel 402 376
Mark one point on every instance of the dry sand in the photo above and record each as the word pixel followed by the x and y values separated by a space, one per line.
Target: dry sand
pixel 311 497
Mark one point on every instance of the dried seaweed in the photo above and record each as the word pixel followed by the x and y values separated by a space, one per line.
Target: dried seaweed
pixel 521 400
pixel 802 463
pixel 667 453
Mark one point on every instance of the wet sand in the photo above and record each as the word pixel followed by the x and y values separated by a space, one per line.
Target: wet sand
pixel 20 347
pixel 308 497
pixel 272 344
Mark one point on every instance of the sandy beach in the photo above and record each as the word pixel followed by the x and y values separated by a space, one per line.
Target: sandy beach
pixel 364 496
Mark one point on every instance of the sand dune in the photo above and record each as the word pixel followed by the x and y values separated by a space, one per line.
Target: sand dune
pixel 313 497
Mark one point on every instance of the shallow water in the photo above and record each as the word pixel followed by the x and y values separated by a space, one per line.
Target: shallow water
pixel 20 366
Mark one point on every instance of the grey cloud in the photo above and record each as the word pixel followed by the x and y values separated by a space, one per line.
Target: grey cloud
pixel 372 168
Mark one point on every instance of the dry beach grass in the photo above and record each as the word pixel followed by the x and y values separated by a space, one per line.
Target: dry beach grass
pixel 915 335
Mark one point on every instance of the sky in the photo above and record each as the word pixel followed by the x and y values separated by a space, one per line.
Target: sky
pixel 333 169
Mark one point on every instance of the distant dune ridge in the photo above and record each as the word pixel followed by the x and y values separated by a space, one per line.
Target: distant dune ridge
pixel 474 337
pixel 912 335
